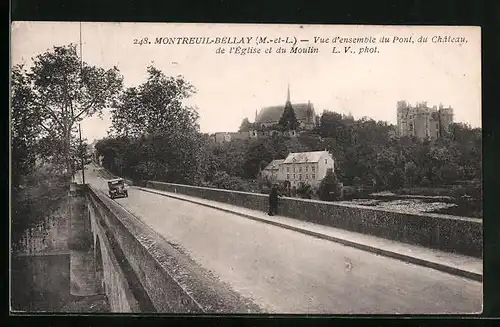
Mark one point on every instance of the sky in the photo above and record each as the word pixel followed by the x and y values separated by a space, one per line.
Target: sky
pixel 231 87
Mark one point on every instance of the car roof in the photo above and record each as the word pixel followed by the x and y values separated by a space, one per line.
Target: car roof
pixel 115 180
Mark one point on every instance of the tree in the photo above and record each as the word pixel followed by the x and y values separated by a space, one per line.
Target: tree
pixel 329 188
pixel 396 179
pixel 25 126
pixel 288 121
pixel 245 126
pixel 155 107
pixel 152 117
pixel 58 91
pixel 304 190
pixel 259 151
pixel 411 174
pixel 330 122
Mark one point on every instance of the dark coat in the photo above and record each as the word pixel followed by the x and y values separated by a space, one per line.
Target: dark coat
pixel 273 195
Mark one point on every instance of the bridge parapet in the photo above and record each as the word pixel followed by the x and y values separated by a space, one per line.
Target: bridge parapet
pixel 159 276
pixel 444 232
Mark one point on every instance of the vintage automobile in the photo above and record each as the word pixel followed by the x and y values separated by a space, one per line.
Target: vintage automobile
pixel 117 188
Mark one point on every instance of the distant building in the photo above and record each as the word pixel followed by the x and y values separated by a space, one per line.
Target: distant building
pixel 305 167
pixel 270 116
pixel 422 121
pixel 224 137
pixel 272 170
pixel 304 112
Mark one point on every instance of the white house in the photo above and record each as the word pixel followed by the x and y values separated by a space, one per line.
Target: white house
pixel 306 167
pixel 272 170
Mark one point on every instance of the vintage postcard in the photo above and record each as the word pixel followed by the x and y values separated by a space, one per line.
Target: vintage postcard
pixel 236 169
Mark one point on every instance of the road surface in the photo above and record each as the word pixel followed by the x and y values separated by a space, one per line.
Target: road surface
pixel 284 271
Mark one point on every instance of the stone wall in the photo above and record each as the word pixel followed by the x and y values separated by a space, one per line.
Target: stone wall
pixel 448 233
pixel 40 282
pixel 40 265
pixel 161 278
pixel 110 265
pixel 50 236
pixel 53 266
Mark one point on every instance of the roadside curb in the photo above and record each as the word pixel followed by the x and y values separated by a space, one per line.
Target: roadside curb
pixel 364 247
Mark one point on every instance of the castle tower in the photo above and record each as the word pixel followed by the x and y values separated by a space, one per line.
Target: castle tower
pixel 403 119
pixel 445 119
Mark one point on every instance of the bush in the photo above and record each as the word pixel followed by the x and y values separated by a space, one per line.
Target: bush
pixel 304 190
pixel 330 189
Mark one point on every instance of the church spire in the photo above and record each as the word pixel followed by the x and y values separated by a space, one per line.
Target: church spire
pixel 288 93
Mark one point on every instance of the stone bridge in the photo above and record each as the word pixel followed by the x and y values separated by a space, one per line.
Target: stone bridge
pixel 179 249
pixel 137 270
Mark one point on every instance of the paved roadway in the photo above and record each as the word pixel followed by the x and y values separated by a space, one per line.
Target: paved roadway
pixel 288 272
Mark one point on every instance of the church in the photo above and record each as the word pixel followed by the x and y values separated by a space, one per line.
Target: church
pixel 304 112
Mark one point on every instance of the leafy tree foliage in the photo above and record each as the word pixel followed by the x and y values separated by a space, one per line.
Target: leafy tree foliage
pixel 155 107
pixel 329 188
pixel 288 121
pixel 246 126
pixel 47 100
pixel 54 94
pixel 154 136
pixel 304 190
pixel 365 152
pixel 365 149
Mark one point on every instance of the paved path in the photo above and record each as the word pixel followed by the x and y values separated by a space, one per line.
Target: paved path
pixel 284 271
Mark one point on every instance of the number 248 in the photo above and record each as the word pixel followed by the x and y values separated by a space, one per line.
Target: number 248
pixel 141 41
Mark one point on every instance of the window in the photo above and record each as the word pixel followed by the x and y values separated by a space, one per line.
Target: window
pixel 287 169
pixel 300 169
pixel 293 176
pixel 307 168
pixel 300 177
pixel 313 169
pixel 287 176
pixel 313 176
pixel 307 176
pixel 326 161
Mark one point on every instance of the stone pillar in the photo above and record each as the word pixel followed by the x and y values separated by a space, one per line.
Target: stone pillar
pixel 82 263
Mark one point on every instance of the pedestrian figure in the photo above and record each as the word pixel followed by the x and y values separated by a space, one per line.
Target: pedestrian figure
pixel 273 200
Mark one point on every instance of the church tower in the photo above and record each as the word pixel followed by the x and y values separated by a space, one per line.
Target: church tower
pixel 288 95
pixel 288 104
pixel 288 119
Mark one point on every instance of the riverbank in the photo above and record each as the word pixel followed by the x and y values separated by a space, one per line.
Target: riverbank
pixel 423 204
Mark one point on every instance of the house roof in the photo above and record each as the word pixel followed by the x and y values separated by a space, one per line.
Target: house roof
pixel 274 113
pixel 273 165
pixel 305 157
